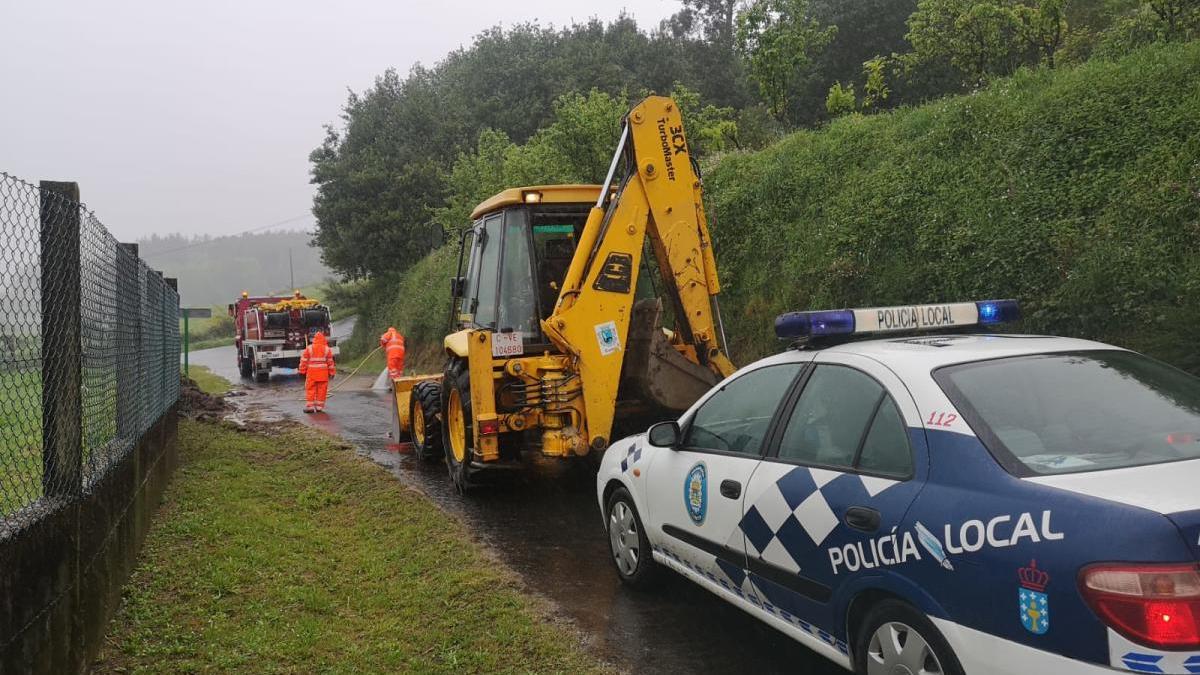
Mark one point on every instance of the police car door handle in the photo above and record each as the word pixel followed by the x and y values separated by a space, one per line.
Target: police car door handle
pixel 731 489
pixel 862 518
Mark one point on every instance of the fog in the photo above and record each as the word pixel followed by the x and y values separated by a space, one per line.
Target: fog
pixel 199 117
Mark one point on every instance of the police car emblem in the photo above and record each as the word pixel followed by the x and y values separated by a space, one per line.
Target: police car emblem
pixel 695 493
pixel 1033 602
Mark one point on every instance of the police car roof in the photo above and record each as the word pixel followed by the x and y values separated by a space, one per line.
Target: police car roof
pixel 911 354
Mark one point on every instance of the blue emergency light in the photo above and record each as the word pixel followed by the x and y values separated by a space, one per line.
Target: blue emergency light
pixel 800 325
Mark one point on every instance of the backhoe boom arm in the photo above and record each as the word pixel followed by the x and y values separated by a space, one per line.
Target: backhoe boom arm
pixel 661 200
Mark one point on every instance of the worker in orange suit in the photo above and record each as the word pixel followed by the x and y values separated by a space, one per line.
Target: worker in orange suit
pixel 393 344
pixel 316 365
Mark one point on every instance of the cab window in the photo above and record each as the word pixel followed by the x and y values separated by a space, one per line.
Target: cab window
pixel 517 305
pixel 484 288
pixel 846 420
pixel 736 417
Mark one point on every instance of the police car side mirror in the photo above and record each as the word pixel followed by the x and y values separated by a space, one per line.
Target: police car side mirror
pixel 664 435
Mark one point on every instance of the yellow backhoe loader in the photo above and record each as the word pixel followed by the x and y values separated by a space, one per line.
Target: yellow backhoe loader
pixel 558 330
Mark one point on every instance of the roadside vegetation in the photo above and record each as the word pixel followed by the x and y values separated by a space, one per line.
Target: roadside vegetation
pixel 209 382
pixel 216 331
pixel 1072 189
pixel 284 551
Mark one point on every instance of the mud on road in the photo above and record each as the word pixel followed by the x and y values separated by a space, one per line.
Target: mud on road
pixel 545 524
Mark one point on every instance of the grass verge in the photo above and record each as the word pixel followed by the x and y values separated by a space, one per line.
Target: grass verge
pixel 289 553
pixel 209 382
pixel 197 345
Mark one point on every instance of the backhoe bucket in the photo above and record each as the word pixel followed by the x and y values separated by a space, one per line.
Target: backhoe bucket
pixel 655 373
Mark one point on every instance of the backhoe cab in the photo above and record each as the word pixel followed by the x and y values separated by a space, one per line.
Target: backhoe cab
pixel 556 330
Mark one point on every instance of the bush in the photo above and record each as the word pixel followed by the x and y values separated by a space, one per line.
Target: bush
pixel 1075 191
pixel 417 303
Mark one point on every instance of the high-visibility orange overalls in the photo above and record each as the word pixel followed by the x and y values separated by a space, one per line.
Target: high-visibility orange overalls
pixel 316 364
pixel 393 343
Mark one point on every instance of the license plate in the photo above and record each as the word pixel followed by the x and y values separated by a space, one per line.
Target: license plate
pixel 507 344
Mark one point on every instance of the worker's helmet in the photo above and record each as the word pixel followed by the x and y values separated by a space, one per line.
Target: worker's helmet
pixel 296 294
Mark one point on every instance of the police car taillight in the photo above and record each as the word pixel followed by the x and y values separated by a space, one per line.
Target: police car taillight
pixel 1155 605
pixel 800 325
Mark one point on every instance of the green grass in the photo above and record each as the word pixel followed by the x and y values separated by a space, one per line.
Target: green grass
pixel 209 382
pixel 195 346
pixel 289 553
pixel 20 439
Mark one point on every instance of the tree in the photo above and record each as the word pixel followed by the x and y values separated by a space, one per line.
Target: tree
pixel 1043 26
pixel 1180 18
pixel 715 19
pixel 780 42
pixel 840 100
pixel 876 89
pixel 979 37
pixel 988 38
pixel 710 129
pixel 378 178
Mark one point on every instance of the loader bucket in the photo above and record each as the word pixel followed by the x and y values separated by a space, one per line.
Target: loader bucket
pixel 655 373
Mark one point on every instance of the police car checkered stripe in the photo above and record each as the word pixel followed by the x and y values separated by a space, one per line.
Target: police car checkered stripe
pixel 736 581
pixel 632 455
pixel 791 515
pixel 1128 656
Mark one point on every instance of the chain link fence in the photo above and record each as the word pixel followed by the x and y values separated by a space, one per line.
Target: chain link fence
pixel 89 349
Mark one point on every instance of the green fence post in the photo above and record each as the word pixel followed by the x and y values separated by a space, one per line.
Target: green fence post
pixel 186 372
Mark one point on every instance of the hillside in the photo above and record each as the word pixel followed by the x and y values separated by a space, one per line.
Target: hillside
pixel 1075 190
pixel 214 270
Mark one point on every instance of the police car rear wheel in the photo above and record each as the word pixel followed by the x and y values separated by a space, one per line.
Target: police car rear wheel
pixel 896 639
pixel 628 543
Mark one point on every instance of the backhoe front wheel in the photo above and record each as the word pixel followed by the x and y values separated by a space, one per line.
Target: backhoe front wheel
pixel 458 424
pixel 425 419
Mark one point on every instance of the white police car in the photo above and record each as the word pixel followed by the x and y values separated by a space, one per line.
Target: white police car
pixel 940 503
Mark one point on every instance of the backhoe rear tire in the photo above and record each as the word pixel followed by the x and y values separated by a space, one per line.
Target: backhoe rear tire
pixel 425 420
pixel 458 424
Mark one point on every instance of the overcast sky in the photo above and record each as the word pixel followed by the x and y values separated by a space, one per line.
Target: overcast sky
pixel 198 117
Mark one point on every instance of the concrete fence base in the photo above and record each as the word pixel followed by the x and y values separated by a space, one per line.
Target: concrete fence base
pixel 61 577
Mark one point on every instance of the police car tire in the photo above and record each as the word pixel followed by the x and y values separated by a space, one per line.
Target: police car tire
pixel 892 610
pixel 648 573
pixel 457 376
pixel 428 395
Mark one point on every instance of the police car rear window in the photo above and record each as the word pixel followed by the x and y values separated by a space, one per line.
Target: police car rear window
pixel 1078 411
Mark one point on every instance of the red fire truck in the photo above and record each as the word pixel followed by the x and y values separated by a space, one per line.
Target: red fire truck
pixel 272 331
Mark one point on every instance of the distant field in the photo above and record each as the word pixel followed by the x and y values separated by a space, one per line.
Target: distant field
pixel 206 333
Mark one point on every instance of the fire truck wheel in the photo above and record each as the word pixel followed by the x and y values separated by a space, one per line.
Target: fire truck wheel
pixel 425 419
pixel 245 367
pixel 457 423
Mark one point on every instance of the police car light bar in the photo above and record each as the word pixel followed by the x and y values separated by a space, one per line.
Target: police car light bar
pixel 798 325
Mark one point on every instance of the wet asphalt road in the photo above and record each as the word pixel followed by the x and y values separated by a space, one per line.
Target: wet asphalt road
pixel 545 524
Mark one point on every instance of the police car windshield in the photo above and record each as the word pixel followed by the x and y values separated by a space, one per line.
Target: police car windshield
pixel 1078 411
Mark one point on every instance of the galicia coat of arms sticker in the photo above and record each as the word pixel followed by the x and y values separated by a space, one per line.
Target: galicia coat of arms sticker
pixel 695 493
pixel 1033 602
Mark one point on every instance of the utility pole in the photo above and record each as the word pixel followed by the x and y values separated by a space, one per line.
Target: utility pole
pixel 291 272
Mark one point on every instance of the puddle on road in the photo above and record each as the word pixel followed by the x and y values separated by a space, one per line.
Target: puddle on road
pixel 545 524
